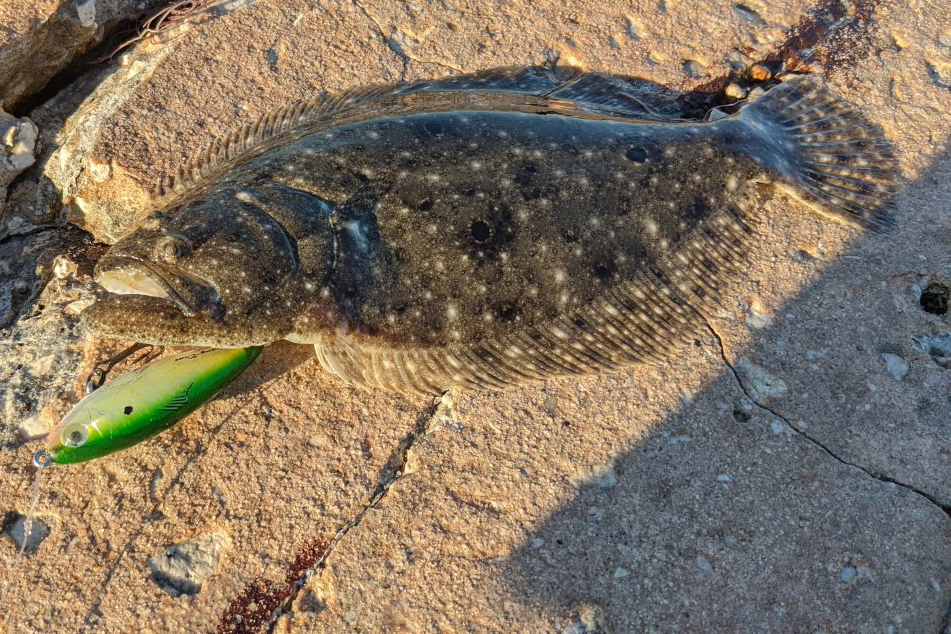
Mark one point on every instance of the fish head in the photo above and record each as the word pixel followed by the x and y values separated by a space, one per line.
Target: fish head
pixel 208 274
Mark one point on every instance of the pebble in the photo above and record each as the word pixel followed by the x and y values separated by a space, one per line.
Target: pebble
pixel 895 365
pixel 704 564
pixel 735 91
pixel 761 382
pixel 538 542
pixel 34 428
pixel 724 478
pixel 620 573
pixel 695 69
pixel 183 568
pixel 760 316
pixel 39 531
pixel 760 73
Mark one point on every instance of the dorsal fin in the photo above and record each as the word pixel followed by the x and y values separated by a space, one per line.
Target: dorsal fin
pixel 628 97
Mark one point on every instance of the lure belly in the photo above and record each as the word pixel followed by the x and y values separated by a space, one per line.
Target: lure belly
pixel 144 402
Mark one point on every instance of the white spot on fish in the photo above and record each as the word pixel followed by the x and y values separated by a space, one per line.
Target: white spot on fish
pixel 358 231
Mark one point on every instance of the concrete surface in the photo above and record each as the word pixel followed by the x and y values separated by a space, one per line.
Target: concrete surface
pixel 788 472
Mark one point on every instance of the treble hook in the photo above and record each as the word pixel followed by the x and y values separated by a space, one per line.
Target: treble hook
pixel 99 372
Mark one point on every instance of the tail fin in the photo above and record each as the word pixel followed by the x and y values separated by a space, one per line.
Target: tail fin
pixel 835 160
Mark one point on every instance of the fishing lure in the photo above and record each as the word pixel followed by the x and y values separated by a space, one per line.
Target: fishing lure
pixel 141 403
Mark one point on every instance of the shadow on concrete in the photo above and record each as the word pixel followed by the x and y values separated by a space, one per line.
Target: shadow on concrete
pixel 731 517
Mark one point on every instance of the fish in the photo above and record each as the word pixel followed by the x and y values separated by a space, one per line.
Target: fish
pixel 485 230
pixel 141 403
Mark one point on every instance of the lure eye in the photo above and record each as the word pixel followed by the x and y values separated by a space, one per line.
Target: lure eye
pixel 171 248
pixel 75 436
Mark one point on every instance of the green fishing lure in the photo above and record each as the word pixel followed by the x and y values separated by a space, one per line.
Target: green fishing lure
pixel 139 404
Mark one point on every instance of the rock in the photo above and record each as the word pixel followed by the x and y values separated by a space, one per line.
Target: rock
pixel 317 594
pixel 735 92
pixel 17 144
pixel 937 346
pixel 14 525
pixel 67 28
pixel 762 384
pixel 34 428
pixel 759 72
pixel 184 567
pixel 895 365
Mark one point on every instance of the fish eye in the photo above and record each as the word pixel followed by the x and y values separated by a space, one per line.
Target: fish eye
pixel 75 436
pixel 170 248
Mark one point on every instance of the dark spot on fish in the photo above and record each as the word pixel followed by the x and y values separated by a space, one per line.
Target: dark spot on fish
pixel 508 312
pixel 569 235
pixel 532 194
pixel 604 270
pixel 127 410
pixel 525 176
pixel 481 231
pixel 699 208
pixel 636 154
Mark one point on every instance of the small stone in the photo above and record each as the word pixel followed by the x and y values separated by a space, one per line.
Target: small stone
pixel 317 441
pixel 945 39
pixel 938 346
pixel 183 568
pixel 14 525
pixel 595 513
pixel 695 69
pixel 655 57
pixel 634 28
pixel 762 383
pixel 538 542
pixel 724 478
pixel 755 93
pixel 735 91
pixel 704 564
pixel 848 573
pixel 63 267
pixel 760 316
pixel 621 573
pixel 34 428
pixel 760 73
pixel 777 426
pixel 895 365
pixel 317 594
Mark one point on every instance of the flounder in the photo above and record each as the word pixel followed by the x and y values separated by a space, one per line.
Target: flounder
pixel 482 230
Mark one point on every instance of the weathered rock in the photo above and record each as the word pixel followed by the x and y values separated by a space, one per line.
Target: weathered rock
pixel 31 54
pixel 17 145
pixel 184 567
pixel 15 527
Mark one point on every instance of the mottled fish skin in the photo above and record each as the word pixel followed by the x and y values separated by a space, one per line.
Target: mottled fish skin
pixel 457 235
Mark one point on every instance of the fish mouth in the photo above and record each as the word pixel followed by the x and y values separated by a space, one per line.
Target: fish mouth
pixel 189 293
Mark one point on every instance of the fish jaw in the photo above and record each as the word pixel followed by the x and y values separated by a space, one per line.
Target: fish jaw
pixel 124 275
pixel 159 321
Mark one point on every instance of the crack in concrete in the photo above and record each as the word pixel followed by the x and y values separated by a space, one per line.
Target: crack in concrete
pixel 398 466
pixel 878 476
